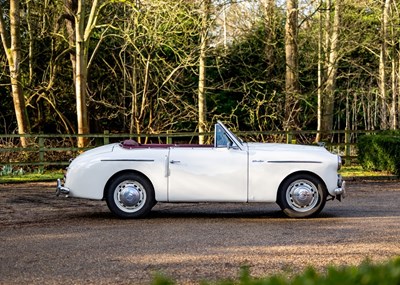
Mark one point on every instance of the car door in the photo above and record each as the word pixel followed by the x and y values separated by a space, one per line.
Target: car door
pixel 207 174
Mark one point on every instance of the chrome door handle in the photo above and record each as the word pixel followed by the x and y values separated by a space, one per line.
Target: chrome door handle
pixel 174 161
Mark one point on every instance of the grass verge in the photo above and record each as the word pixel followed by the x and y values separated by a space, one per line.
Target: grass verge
pixel 356 171
pixel 31 177
pixel 366 274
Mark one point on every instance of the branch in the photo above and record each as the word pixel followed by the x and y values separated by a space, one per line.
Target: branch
pixel 4 36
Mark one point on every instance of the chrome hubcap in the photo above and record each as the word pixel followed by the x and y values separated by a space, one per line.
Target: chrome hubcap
pixel 130 196
pixel 302 195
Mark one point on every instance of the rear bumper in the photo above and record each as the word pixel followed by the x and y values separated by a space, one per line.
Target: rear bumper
pixel 61 189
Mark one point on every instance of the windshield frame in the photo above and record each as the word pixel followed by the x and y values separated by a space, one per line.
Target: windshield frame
pixel 236 142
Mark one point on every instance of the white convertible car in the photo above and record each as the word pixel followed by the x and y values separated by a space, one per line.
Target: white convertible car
pixel 133 177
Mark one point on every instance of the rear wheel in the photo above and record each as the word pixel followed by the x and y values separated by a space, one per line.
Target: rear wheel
pixel 302 196
pixel 130 195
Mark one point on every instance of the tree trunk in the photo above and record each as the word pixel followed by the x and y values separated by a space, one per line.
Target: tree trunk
pixel 328 30
pixel 12 48
pixel 382 66
pixel 78 37
pixel 202 71
pixel 31 36
pixel 270 36
pixel 81 74
pixel 394 79
pixel 71 9
pixel 291 79
pixel 329 98
pixel 134 124
pixel 394 91
pixel 320 75
pixel 398 84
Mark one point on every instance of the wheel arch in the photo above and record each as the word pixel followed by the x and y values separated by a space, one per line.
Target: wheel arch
pixel 125 171
pixel 313 174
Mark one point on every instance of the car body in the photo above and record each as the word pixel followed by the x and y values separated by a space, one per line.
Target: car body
pixel 132 177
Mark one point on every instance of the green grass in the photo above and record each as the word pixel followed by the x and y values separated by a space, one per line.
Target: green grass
pixel 366 274
pixel 358 171
pixel 22 177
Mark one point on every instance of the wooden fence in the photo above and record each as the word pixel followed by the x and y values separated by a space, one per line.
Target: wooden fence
pixel 55 150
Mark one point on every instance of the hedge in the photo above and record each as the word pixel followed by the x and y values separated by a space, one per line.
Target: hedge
pixel 366 274
pixel 380 152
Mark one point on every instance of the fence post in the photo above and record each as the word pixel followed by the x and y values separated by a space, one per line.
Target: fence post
pixel 41 153
pixel 106 139
pixel 169 139
pixel 289 137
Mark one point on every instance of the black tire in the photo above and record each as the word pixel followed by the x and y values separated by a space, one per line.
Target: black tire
pixel 130 195
pixel 302 196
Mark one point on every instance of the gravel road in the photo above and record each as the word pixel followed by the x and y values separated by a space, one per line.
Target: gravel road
pixel 50 240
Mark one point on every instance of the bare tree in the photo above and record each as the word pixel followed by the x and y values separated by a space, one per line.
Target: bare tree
pixel 320 73
pixel 292 68
pixel 395 82
pixel 158 48
pixel 331 70
pixel 382 64
pixel 205 7
pixel 395 63
pixel 80 27
pixel 12 47
pixel 328 58
pixel 270 32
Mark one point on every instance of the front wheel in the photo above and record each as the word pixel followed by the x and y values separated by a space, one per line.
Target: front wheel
pixel 130 195
pixel 302 196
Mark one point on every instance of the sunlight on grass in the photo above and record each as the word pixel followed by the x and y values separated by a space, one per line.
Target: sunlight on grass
pixel 357 171
pixel 32 177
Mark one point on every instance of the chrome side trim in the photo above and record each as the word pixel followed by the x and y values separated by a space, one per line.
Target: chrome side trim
pixel 128 159
pixel 293 161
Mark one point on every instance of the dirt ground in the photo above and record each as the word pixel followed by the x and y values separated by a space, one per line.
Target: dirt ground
pixel 51 240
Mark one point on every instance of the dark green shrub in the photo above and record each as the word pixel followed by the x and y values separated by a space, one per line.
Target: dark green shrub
pixel 380 152
pixel 366 274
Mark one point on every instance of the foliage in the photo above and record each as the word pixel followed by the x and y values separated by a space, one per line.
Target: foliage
pixel 10 175
pixel 8 170
pixel 380 152
pixel 144 75
pixel 244 89
pixel 366 274
pixel 142 79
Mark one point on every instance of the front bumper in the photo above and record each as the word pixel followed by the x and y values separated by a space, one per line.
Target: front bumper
pixel 61 189
pixel 340 192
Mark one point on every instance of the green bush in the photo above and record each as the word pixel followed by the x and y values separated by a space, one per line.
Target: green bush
pixel 380 152
pixel 9 170
pixel 365 274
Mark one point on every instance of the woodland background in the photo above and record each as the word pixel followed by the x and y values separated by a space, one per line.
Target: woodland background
pixel 153 66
